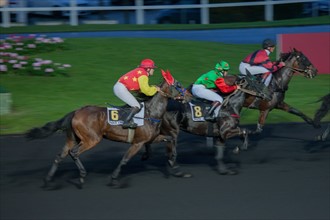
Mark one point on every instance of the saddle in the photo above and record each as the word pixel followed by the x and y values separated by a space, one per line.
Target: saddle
pixel 117 114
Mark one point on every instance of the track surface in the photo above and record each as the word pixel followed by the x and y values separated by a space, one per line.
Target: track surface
pixel 284 174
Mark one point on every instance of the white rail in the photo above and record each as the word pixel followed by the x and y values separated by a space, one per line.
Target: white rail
pixel 139 9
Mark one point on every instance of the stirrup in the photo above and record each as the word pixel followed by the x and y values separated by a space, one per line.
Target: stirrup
pixel 129 124
pixel 209 118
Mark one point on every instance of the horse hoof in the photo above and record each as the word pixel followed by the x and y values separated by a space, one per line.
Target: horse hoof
pixel 114 183
pixel 77 183
pixel 227 172
pixel 144 157
pixel 182 175
pixel 49 185
pixel 236 150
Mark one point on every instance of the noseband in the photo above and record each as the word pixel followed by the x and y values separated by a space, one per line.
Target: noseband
pixel 295 66
pixel 177 88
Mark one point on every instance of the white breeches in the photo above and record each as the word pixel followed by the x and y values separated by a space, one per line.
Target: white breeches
pixel 201 92
pixel 124 94
pixel 255 70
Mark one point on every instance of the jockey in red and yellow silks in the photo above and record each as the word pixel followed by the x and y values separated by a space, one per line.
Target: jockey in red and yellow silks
pixel 138 80
pixel 259 62
pixel 135 80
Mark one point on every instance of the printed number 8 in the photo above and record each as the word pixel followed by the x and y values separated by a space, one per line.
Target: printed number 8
pixel 198 111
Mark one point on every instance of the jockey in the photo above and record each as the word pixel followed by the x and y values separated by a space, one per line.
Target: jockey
pixel 258 62
pixel 206 85
pixel 136 80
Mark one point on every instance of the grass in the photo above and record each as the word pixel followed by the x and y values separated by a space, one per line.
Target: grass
pixel 97 64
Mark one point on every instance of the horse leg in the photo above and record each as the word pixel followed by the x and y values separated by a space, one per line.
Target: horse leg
pixel 240 132
pixel 59 158
pixel 261 121
pixel 127 156
pixel 173 166
pixel 219 156
pixel 324 135
pixel 74 153
pixel 287 108
pixel 159 138
pixel 147 152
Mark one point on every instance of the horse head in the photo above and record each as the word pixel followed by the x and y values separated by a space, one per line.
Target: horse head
pixel 174 89
pixel 300 63
pixel 171 88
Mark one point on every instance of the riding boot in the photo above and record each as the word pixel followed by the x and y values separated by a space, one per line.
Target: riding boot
pixel 128 122
pixel 209 115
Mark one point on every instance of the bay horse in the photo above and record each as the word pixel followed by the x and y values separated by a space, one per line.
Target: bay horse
pixel 180 116
pixel 87 126
pixel 295 62
pixel 321 113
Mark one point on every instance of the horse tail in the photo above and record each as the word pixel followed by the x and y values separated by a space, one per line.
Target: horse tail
pixel 51 127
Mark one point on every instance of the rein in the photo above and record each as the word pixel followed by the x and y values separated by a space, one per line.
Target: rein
pixel 300 71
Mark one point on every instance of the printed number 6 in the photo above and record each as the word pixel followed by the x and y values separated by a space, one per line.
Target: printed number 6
pixel 114 115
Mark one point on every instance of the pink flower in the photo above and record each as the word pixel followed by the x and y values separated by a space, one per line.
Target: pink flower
pixel 66 65
pixel 31 46
pixel 3 68
pixel 49 70
pixel 37 64
pixel 17 66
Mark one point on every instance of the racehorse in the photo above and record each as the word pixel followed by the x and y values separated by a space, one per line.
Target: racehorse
pixel 85 128
pixel 295 62
pixel 321 113
pixel 187 117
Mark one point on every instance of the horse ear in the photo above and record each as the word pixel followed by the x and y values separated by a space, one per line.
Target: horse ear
pixel 168 77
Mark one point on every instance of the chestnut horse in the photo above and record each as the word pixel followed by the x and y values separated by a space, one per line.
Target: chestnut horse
pixel 85 128
pixel 180 116
pixel 295 62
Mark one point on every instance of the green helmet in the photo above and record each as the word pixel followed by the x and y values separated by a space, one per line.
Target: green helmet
pixel 222 65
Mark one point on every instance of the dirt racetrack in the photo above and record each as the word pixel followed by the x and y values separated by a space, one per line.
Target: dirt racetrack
pixel 285 174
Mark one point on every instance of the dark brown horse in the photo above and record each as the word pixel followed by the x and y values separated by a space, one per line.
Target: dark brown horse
pixel 188 117
pixel 86 127
pixel 295 62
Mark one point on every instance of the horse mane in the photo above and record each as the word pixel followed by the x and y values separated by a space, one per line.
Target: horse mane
pixel 284 56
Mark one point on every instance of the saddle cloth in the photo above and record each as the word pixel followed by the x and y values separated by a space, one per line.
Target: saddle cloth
pixel 199 109
pixel 116 116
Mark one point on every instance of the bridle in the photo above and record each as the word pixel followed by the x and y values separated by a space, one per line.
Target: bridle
pixel 177 87
pixel 301 59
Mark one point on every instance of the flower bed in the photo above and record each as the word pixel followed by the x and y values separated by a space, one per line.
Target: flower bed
pixel 16 56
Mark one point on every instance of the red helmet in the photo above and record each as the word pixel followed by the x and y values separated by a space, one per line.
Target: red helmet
pixel 148 63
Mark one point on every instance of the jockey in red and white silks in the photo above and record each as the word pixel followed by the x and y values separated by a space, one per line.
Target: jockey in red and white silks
pixel 259 62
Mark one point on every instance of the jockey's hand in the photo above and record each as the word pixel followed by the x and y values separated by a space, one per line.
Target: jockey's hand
pixel 157 88
pixel 238 87
pixel 281 64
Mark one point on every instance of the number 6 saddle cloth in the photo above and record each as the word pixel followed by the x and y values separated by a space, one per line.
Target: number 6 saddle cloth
pixel 117 115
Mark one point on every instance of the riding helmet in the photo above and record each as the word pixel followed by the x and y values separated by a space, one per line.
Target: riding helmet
pixel 222 65
pixel 268 43
pixel 148 63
